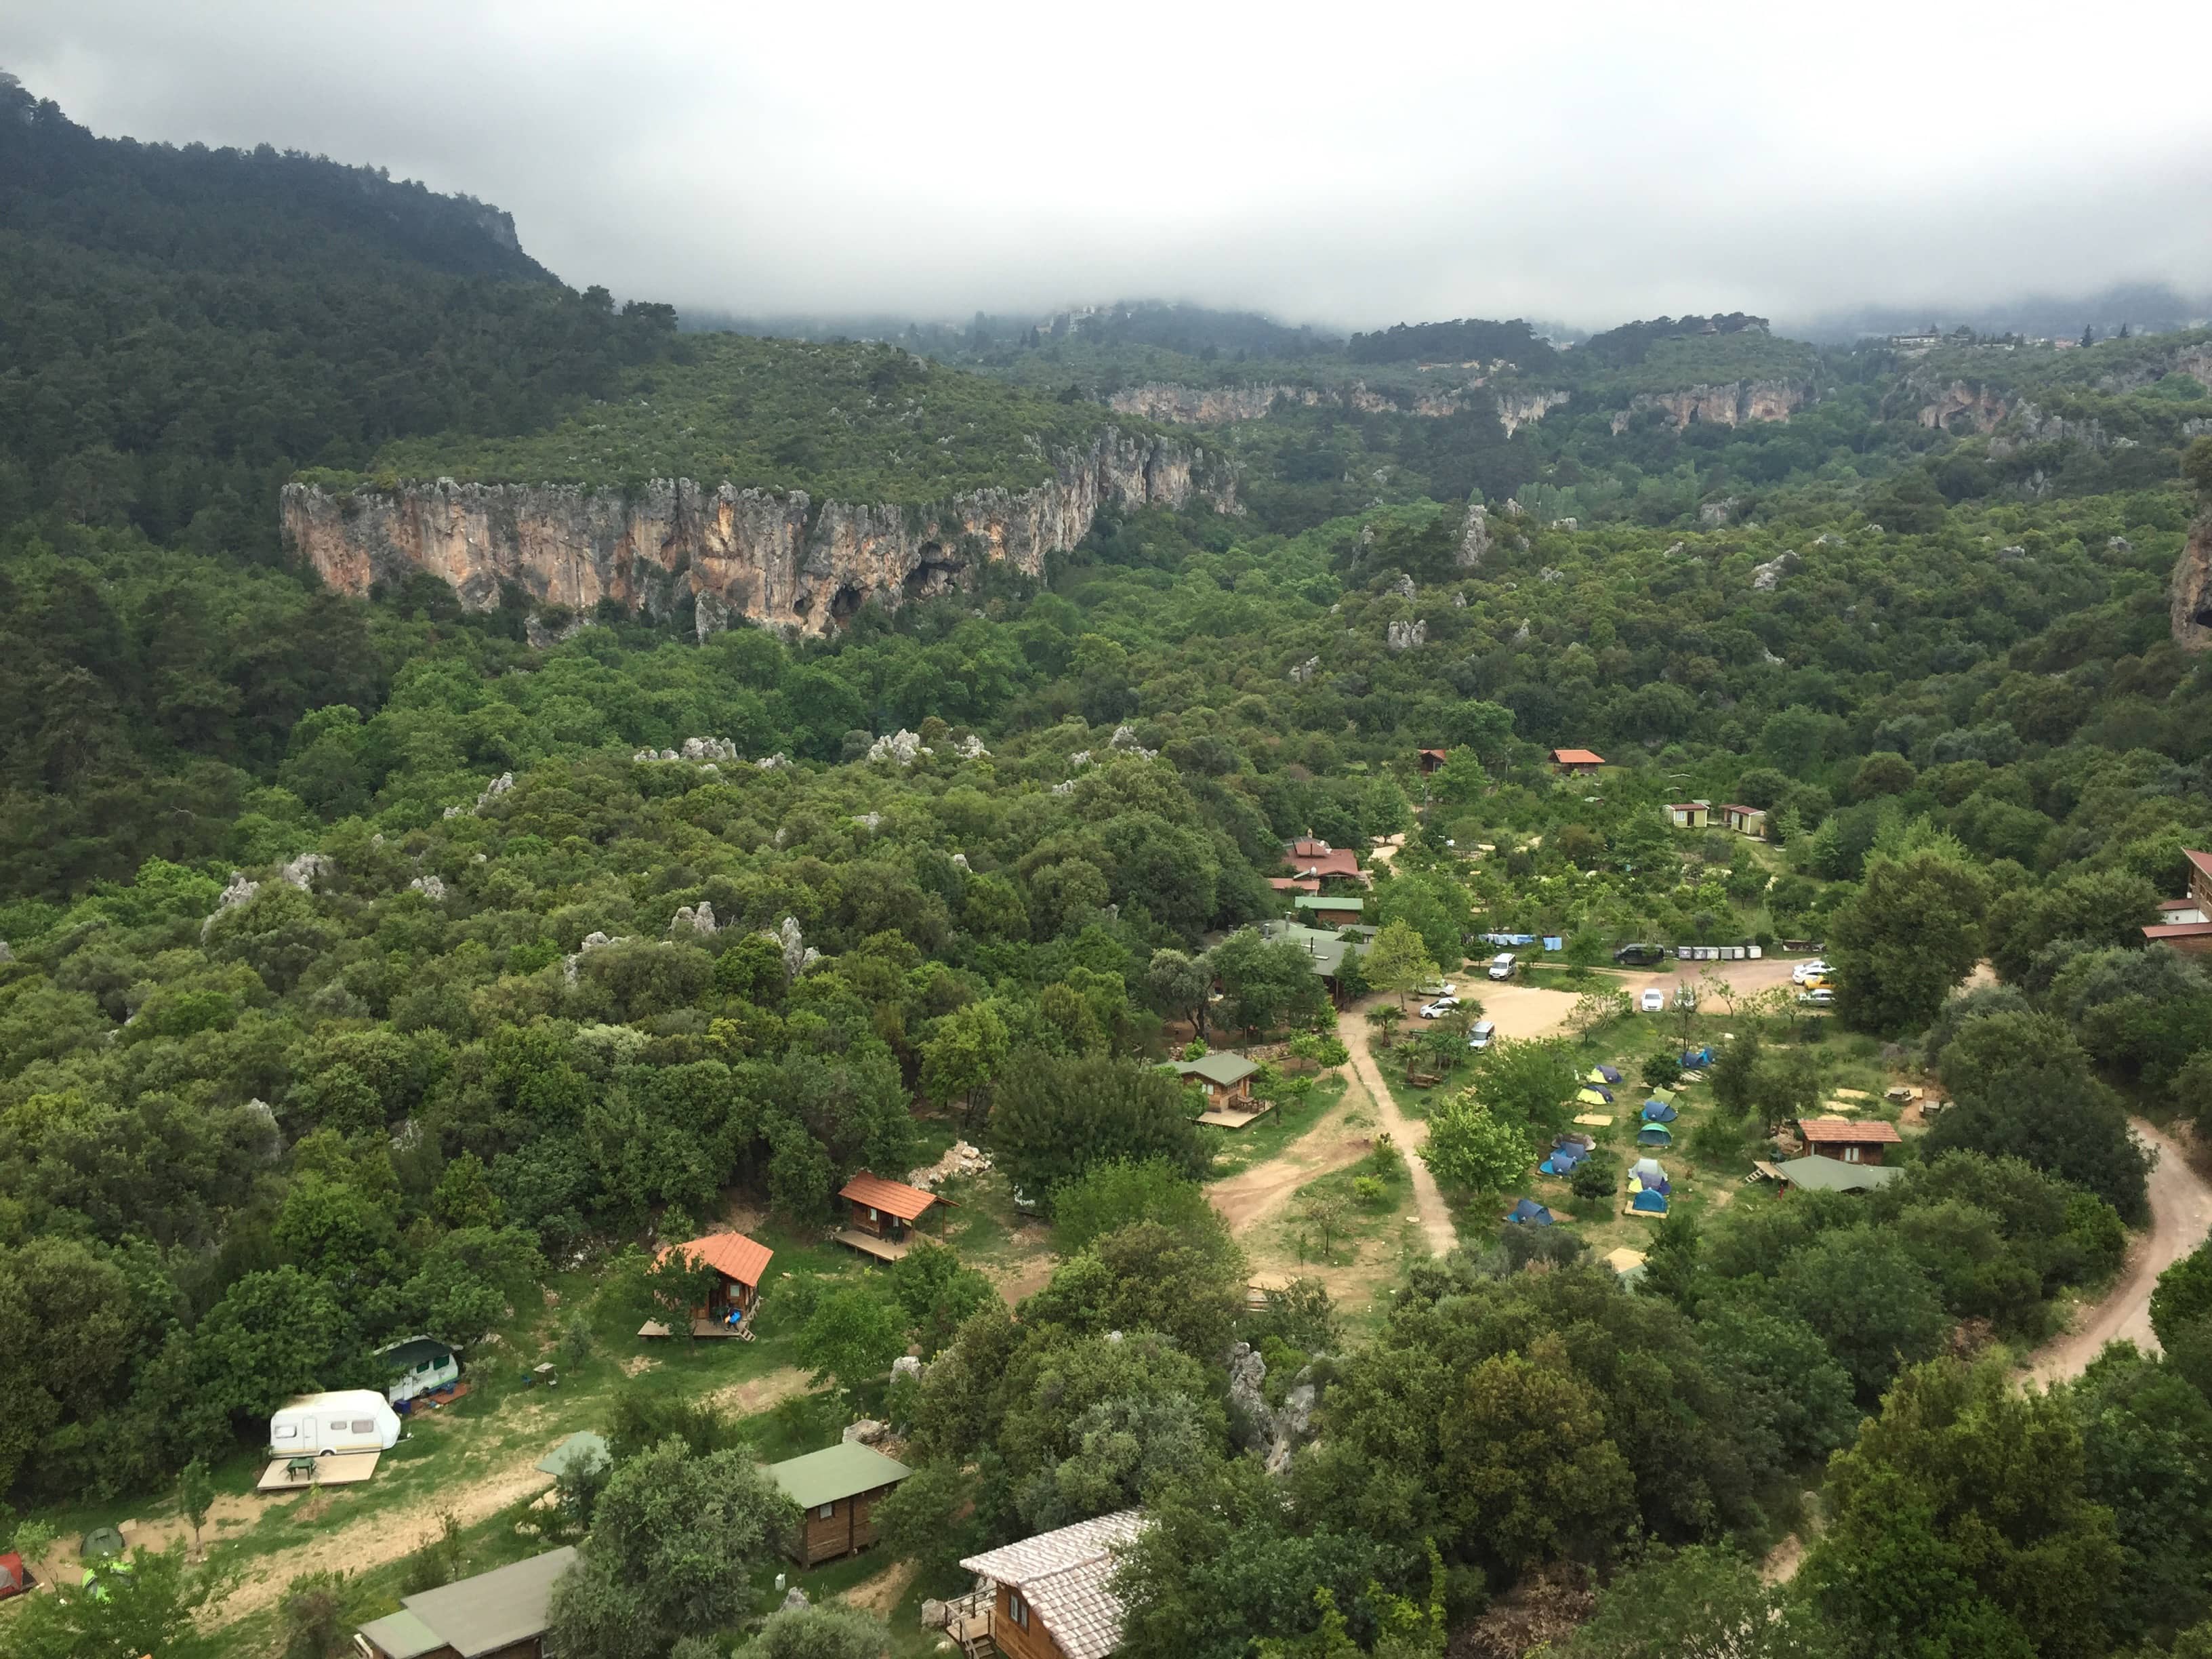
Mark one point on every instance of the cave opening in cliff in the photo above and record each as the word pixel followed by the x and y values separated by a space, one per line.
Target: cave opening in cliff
pixel 843 603
pixel 934 574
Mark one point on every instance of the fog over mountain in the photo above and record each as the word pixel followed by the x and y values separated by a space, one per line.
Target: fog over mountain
pixel 1419 160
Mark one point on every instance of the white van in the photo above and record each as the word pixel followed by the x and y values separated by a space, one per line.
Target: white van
pixel 323 1425
pixel 1482 1033
pixel 1501 965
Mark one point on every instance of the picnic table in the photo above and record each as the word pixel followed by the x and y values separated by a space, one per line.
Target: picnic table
pixel 297 1468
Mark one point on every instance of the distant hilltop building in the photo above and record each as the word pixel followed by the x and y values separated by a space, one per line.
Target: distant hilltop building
pixel 1924 339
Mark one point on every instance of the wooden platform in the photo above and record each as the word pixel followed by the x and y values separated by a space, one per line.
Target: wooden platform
pixel 1225 1117
pixel 340 1469
pixel 868 1244
pixel 715 1329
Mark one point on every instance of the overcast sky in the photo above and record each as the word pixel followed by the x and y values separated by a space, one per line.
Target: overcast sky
pixel 1347 164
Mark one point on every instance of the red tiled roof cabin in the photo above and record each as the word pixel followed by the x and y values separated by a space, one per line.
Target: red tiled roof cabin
pixel 1576 762
pixel 1432 758
pixel 879 1212
pixel 738 1264
pixel 1845 1141
pixel 2186 923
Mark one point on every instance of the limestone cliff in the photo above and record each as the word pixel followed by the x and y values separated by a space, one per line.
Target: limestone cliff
pixel 1215 406
pixel 1959 407
pixel 779 560
pixel 1517 410
pixel 2190 591
pixel 1730 403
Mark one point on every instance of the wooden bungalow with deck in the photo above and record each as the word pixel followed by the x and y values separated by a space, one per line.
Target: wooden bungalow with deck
pixel 500 1615
pixel 1577 763
pixel 737 1265
pixel 879 1214
pixel 837 1490
pixel 1845 1141
pixel 1050 1596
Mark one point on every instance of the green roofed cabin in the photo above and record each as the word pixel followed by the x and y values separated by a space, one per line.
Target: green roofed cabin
pixel 837 1487
pixel 1328 912
pixel 500 1615
pixel 1226 1079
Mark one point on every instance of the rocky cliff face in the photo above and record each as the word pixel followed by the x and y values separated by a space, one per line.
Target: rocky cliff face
pixel 1959 407
pixel 1516 412
pixel 1728 404
pixel 2191 590
pixel 1194 405
pixel 781 561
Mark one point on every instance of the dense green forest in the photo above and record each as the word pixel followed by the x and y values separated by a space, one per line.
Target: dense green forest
pixel 364 975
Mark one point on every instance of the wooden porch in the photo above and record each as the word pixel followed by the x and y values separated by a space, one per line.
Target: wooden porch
pixel 968 1623
pixel 716 1329
pixel 868 1244
pixel 1227 1117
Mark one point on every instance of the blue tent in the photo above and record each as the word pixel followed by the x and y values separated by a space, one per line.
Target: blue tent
pixel 1565 1158
pixel 1529 1213
pixel 1607 1073
pixel 1650 1200
pixel 1655 1134
pixel 1658 1111
pixel 1647 1173
pixel 1692 1058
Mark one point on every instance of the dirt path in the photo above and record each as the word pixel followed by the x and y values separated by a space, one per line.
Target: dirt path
pixel 2180 1220
pixel 1410 1134
pixel 377 1539
pixel 1251 1195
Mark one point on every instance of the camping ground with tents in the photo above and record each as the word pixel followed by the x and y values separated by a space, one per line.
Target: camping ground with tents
pixel 1661 1146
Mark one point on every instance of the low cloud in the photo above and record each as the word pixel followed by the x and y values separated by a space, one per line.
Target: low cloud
pixel 1348 167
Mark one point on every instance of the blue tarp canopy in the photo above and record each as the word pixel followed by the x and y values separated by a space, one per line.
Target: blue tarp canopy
pixel 1650 1200
pixel 1529 1213
pixel 1658 1111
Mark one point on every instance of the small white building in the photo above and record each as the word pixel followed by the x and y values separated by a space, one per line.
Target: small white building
pixel 323 1425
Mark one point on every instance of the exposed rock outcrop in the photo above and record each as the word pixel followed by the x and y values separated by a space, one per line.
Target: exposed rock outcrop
pixel 1209 406
pixel 1517 410
pixel 1474 537
pixel 2191 589
pixel 1959 407
pixel 783 561
pixel 1728 404
pixel 1403 636
pixel 430 887
pixel 1766 578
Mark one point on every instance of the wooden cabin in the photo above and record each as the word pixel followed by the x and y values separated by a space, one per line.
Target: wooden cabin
pixel 1052 1596
pixel 879 1212
pixel 1226 1079
pixel 738 1264
pixel 1576 763
pixel 837 1490
pixel 1845 1141
pixel 1430 759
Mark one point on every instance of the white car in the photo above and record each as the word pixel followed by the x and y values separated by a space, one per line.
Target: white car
pixel 1822 998
pixel 1446 989
pixel 1805 970
pixel 1501 965
pixel 1653 1001
pixel 1480 1034
pixel 1439 1008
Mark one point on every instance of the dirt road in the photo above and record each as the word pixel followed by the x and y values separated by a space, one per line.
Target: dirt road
pixel 1251 1195
pixel 1410 1134
pixel 2180 1220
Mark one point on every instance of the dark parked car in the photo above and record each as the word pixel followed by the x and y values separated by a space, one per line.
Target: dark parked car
pixel 1640 955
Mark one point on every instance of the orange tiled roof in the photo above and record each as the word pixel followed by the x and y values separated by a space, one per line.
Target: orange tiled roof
pixel 891 1197
pixel 2201 861
pixel 1577 758
pixel 730 1254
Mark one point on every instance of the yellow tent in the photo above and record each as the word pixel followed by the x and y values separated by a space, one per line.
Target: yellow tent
pixel 1591 1097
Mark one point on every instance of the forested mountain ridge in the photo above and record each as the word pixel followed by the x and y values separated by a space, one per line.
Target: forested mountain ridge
pixel 181 329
